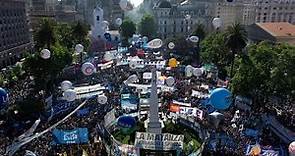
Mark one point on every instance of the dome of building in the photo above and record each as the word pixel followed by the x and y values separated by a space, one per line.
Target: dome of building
pixel 164 4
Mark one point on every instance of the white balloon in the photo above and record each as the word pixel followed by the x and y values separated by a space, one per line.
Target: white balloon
pixel 155 43
pixel 189 71
pixel 79 48
pixel 45 54
pixel 197 72
pixel 88 68
pixel 292 148
pixel 170 81
pixel 70 95
pixel 171 45
pixel 119 21
pixel 194 39
pixel 65 85
pixel 217 22
pixel 102 99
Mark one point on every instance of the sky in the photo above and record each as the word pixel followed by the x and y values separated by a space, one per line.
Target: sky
pixel 136 2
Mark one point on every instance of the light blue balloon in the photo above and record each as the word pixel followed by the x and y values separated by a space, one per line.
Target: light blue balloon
pixel 221 98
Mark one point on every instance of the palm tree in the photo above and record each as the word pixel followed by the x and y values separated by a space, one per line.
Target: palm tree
pixel 199 31
pixel 45 36
pixel 236 38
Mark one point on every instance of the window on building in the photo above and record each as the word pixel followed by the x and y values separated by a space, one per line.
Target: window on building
pixel 97 18
pixel 181 29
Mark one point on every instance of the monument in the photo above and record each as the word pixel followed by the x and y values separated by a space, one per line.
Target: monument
pixel 154 125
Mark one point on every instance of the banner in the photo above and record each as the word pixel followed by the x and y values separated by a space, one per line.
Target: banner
pixel 109 118
pixel 129 101
pixel 88 89
pixel 190 111
pixel 147 75
pixel 89 95
pixel 174 108
pixel 83 112
pixel 60 107
pixel 181 103
pixel 265 151
pixel 164 141
pixel 76 136
pixel 127 150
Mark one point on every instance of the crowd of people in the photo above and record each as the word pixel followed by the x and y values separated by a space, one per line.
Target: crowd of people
pixel 233 124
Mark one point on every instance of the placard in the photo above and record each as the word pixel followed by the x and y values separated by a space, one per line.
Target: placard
pixel 164 141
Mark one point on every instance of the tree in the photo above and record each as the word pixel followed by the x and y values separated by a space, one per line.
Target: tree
pixel 199 31
pixel 147 26
pixel 267 71
pixel 46 71
pixel 127 29
pixel 64 35
pixel 80 34
pixel 236 38
pixel 45 36
pixel 213 50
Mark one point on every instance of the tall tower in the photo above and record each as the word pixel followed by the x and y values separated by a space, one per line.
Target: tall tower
pixel 154 125
pixel 98 24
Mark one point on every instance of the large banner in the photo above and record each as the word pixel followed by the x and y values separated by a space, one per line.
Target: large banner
pixel 164 141
pixel 190 111
pixel 60 107
pixel 88 89
pixel 129 101
pixel 76 136
pixel 187 111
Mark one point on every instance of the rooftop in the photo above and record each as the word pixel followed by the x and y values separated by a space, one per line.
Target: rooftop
pixel 279 29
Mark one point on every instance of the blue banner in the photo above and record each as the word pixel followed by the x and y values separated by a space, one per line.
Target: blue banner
pixel 129 101
pixel 76 136
pixel 83 112
pixel 61 106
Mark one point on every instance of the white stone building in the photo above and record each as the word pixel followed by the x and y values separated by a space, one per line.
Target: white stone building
pixel 172 16
pixel 275 11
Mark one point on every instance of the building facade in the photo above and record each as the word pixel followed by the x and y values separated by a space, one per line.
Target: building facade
pixel 15 38
pixel 275 11
pixel 180 17
pixel 239 11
